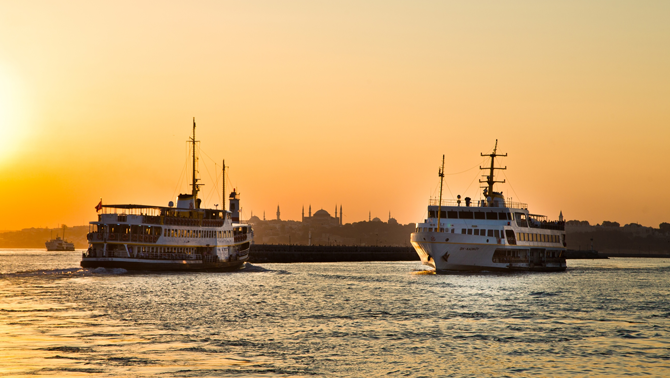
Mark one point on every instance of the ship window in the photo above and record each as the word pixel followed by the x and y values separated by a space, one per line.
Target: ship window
pixel 490 234
pixel 496 233
pixel 463 231
pixel 521 219
pixel 431 214
pixel 491 215
pixel 469 231
pixel 479 215
pixel 465 214
pixel 451 214
pixel 476 232
pixel 453 230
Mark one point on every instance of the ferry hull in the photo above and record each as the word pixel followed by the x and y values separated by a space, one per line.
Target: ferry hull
pixel 164 265
pixel 476 257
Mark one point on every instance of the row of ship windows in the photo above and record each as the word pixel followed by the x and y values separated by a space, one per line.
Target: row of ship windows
pixel 467 231
pixel 522 253
pixel 188 250
pixel 524 236
pixel 175 233
pixel 466 214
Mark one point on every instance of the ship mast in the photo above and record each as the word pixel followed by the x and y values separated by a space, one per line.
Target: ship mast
pixel 195 184
pixel 224 186
pixel 489 179
pixel 439 205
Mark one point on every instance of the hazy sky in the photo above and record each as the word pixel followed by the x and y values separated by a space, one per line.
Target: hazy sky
pixel 334 102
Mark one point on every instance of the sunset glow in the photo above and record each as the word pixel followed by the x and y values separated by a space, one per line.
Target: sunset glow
pixel 343 103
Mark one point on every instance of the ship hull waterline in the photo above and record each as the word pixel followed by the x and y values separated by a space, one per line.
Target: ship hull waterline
pixel 166 265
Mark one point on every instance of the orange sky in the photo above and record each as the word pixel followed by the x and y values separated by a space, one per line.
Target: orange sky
pixel 325 103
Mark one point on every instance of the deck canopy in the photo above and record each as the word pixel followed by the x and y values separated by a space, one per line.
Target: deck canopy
pixel 132 209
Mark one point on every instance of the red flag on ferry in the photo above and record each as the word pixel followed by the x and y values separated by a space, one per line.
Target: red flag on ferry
pixel 98 207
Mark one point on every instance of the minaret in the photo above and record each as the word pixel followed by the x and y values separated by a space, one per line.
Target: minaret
pixel 389 216
pixel 263 214
pixel 303 213
pixel 310 211
pixel 341 215
pixel 335 211
pixel 370 216
pixel 278 217
pixel 560 216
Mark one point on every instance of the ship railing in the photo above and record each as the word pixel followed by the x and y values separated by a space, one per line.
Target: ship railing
pixel 181 221
pixel 151 219
pixel 121 237
pixel 461 203
pixel 560 226
pixel 168 256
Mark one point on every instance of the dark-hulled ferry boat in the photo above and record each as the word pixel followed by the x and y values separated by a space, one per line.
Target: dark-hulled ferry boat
pixel 185 237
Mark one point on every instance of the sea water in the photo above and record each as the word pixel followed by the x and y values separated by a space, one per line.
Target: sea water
pixel 599 318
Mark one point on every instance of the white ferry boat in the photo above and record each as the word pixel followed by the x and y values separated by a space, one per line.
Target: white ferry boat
pixel 59 244
pixel 185 237
pixel 490 234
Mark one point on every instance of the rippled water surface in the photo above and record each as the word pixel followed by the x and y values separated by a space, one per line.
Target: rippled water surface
pixel 601 317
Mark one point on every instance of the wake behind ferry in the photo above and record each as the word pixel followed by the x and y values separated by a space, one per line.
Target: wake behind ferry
pixel 185 237
pixel 490 234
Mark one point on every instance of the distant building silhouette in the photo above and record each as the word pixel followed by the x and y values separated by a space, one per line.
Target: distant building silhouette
pixel 321 218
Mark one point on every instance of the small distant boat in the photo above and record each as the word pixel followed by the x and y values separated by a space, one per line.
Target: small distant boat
pixel 59 244
pixel 491 234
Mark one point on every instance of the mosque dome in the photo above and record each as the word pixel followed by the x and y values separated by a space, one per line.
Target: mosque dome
pixel 322 214
pixel 375 219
